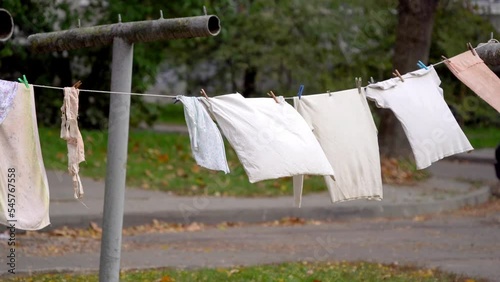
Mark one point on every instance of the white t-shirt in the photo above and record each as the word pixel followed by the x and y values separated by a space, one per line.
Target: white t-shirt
pixel 343 124
pixel 419 105
pixel 271 139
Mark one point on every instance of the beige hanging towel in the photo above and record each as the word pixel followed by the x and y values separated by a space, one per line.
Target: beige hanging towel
pixel 343 124
pixel 472 71
pixel 71 133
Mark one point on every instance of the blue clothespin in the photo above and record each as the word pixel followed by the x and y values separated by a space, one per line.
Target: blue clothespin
pixel 301 89
pixel 422 65
pixel 25 81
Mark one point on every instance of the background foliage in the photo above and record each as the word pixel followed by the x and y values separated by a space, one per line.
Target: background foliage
pixel 263 45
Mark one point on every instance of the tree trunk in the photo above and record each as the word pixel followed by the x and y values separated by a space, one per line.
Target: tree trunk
pixel 413 41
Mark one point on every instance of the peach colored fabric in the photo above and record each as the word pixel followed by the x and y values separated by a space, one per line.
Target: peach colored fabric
pixel 472 71
pixel 71 133
pixel 8 90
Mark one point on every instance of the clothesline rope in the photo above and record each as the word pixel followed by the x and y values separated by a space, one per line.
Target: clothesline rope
pixel 110 92
pixel 442 61
pixel 113 92
pixel 174 96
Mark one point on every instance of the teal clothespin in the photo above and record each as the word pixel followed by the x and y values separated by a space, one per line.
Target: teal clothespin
pixel 25 81
pixel 422 65
pixel 301 89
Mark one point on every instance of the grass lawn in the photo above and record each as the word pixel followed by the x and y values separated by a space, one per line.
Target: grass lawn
pixel 483 137
pixel 299 271
pixel 164 161
pixel 171 113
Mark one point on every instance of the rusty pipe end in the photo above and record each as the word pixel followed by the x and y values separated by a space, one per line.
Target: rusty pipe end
pixel 6 25
pixel 213 25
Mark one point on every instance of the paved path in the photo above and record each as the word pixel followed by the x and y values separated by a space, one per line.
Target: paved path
pixel 432 196
pixel 462 244
pixel 467 245
pixel 478 156
pixel 446 191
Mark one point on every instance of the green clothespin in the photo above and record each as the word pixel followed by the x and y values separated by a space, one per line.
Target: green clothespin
pixel 25 81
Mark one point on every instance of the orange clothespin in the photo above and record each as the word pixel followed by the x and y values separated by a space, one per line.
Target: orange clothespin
pixel 77 84
pixel 397 74
pixel 271 94
pixel 202 91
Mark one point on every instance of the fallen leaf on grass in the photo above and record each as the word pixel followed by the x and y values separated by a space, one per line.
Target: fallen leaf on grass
pixel 163 158
pixel 135 147
pixel 180 172
pixel 195 169
pixel 60 156
pixel 166 278
pixel 232 271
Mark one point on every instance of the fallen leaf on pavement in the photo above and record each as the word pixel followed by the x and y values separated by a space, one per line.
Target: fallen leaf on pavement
pixel 95 227
pixel 193 227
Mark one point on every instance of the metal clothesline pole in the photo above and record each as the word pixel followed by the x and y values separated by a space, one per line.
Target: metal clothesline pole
pixel 116 166
pixel 122 36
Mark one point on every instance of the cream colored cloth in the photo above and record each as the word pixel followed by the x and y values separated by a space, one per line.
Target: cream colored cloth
pixel 343 124
pixel 71 133
pixel 472 71
pixel 271 139
pixel 26 205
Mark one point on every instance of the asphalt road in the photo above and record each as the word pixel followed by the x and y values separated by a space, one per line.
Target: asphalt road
pixel 460 242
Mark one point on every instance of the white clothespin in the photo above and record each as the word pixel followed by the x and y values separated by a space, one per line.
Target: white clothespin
pixel 358 80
